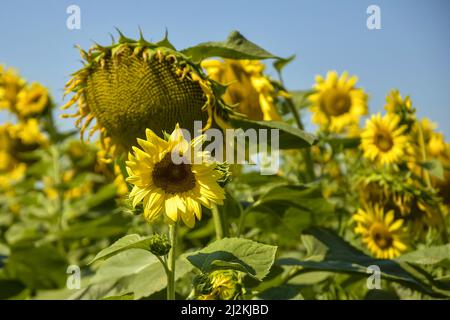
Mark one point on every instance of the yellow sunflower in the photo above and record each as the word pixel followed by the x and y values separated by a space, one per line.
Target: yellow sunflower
pixel 395 102
pixel 384 141
pixel 248 88
pixel 32 100
pixel 27 135
pixel 178 188
pixel 11 169
pixel 382 234
pixel 10 86
pixel 337 103
pixel 223 285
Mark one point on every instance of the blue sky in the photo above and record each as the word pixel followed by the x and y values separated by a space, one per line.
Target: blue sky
pixel 411 52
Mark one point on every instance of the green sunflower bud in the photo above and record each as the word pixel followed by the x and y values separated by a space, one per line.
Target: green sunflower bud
pixel 159 245
pixel 224 170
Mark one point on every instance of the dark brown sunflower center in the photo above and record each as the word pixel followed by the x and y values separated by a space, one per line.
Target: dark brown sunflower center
pixel 171 177
pixel 383 140
pixel 35 98
pixel 336 103
pixel 382 237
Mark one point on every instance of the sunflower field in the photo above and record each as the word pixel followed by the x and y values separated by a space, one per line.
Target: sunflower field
pixel 357 209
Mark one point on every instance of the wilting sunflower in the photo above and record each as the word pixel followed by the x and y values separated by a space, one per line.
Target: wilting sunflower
pixel 178 189
pixel 337 103
pixel 382 234
pixel 10 86
pixel 384 141
pixel 133 85
pixel 32 100
pixel 247 87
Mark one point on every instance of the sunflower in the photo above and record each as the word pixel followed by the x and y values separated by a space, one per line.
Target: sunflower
pixel 383 139
pixel 177 188
pixel 337 103
pixel 32 100
pixel 220 285
pixel 26 135
pixel 395 102
pixel 10 86
pixel 133 85
pixel 247 87
pixel 382 234
pixel 11 169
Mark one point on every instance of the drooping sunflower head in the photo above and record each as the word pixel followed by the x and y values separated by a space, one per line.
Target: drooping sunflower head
pixel 134 85
pixel 337 104
pixel 384 140
pixel 380 232
pixel 173 177
pixel 248 88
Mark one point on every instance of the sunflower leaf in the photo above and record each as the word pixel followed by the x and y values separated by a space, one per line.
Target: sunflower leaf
pixel 289 137
pixel 133 271
pixel 235 47
pixel 328 252
pixel 128 242
pixel 243 255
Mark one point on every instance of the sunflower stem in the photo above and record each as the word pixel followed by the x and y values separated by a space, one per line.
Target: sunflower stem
pixel 306 152
pixel 218 222
pixel 171 262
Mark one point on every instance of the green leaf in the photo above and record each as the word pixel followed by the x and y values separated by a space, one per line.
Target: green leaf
pixel 281 63
pixel 308 198
pixel 128 242
pixel 38 267
pixel 300 98
pixel 244 255
pixel 435 168
pixel 289 137
pixel 101 227
pixel 427 256
pixel 286 210
pixel 328 252
pixel 133 271
pixel 338 144
pixel 10 288
pixel 235 47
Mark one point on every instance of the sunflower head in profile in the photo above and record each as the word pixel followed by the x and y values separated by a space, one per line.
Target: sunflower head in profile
pixel 396 104
pixel 337 104
pixel 174 177
pixel 248 88
pixel 384 140
pixel 133 85
pixel 380 232
pixel 219 285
